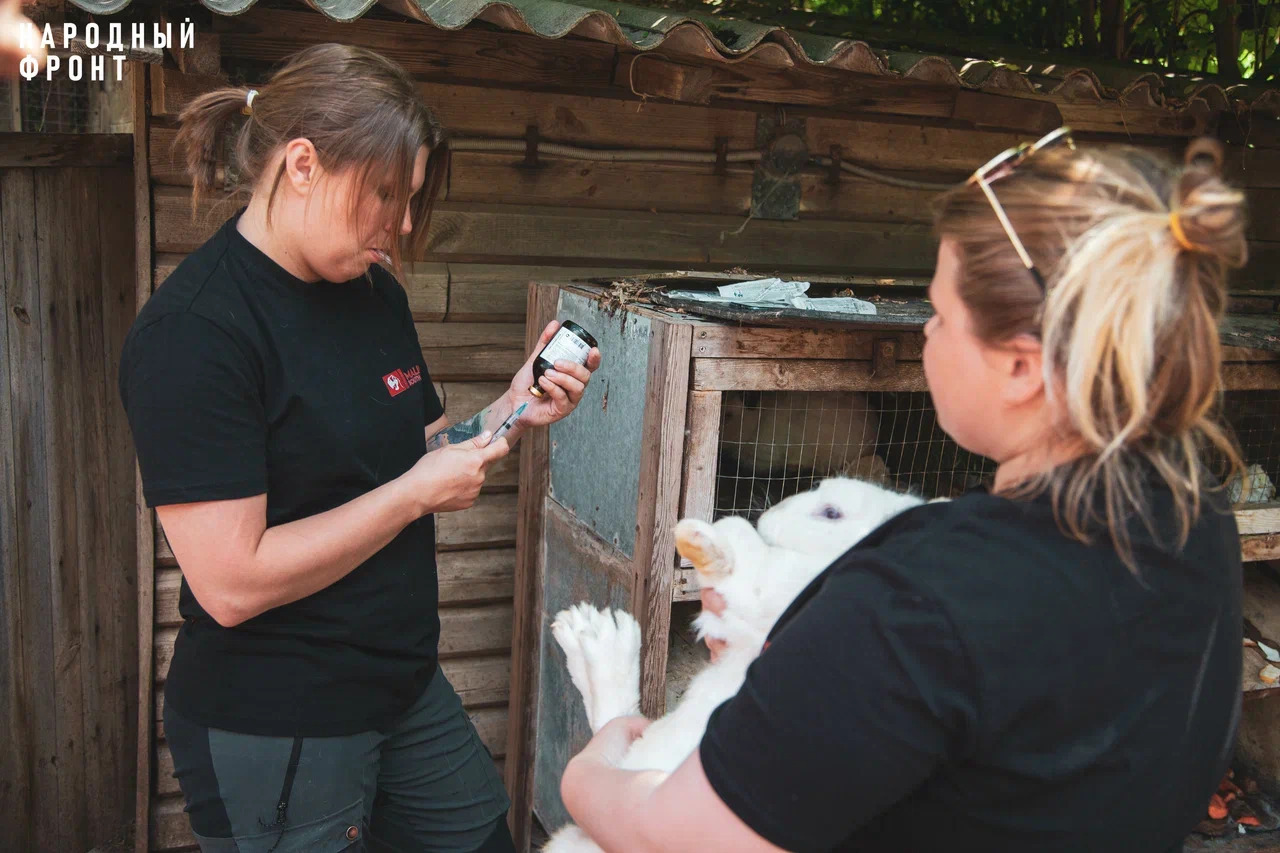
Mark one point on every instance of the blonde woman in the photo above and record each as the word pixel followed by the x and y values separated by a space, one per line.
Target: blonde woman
pixel 1052 664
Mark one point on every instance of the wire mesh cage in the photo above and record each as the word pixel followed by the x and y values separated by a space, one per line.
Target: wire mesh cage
pixel 59 105
pixel 1254 420
pixel 777 443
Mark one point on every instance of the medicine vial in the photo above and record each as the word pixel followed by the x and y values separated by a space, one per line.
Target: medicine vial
pixel 570 343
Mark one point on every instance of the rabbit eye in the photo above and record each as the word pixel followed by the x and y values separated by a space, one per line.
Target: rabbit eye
pixel 830 513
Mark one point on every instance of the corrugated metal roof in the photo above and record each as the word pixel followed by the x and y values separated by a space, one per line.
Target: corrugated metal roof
pixel 724 39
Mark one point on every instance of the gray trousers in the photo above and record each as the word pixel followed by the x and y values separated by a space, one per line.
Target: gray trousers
pixel 425 784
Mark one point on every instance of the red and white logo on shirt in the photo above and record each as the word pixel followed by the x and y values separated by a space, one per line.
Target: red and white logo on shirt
pixel 399 381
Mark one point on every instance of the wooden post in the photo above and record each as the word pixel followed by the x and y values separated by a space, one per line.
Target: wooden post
pixel 146 531
pixel 526 622
pixel 666 402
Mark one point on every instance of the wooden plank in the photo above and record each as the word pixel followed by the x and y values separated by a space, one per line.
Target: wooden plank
pixel 13 118
pixel 701 452
pixel 905 145
pixel 145 520
pixel 754 81
pixel 171 90
pixel 670 187
pixel 1258 547
pixel 111 105
pixel 561 236
pixel 496 293
pixel 425 284
pixel 864 94
pixel 99 252
pixel 475 630
pixel 527 605
pixel 480 681
pixel 548 235
pixel 684 584
pixel 1245 354
pixel 465 399
pixel 578 118
pixel 726 341
pixel 473 577
pixel 427 287
pixel 472 351
pixel 22 638
pixel 163 552
pixel 1261 271
pixel 1129 121
pixel 763 374
pixel 466 577
pixel 163 265
pixel 491 725
pixel 1254 520
pixel 24 303
pixel 204 55
pixel 470 54
pixel 118 610
pixel 464 631
pixel 1252 167
pixel 82 299
pixel 1251 377
pixel 25 150
pixel 166 784
pixel 167 585
pixel 496 178
pixel 1262 223
pixel 167 159
pixel 56 190
pixel 169 826
pixel 17 793
pixel 507 112
pixel 666 401
pixel 489 523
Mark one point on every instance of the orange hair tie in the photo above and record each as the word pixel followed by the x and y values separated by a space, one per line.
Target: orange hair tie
pixel 1175 225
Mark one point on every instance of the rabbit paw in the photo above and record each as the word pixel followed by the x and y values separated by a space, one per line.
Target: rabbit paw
pixel 697 542
pixel 602 654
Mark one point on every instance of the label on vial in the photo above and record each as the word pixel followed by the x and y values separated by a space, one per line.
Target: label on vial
pixel 566 346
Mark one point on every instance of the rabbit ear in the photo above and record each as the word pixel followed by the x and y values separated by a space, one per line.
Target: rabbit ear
pixel 696 541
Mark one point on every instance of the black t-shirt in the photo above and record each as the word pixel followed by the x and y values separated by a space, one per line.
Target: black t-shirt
pixel 969 678
pixel 240 379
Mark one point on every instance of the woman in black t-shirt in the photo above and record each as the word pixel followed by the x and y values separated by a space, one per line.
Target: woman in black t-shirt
pixel 295 449
pixel 1049 665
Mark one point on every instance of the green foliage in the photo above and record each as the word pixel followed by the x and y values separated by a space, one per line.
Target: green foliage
pixel 1185 35
pixel 1175 35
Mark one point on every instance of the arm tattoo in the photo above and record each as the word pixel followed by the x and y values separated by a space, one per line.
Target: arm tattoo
pixel 466 430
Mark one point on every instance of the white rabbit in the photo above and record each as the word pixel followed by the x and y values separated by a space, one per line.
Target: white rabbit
pixel 758 572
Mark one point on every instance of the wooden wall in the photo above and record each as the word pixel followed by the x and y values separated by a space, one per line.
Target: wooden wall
pixel 68 624
pixel 502 224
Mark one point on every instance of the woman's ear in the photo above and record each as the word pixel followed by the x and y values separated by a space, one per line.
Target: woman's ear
pixel 1023 369
pixel 301 165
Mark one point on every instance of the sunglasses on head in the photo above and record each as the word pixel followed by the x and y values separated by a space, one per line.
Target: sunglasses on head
pixel 1001 165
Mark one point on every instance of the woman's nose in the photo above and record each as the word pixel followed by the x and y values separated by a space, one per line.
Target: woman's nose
pixel 406 226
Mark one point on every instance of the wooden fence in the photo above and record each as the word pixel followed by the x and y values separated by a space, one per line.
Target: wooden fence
pixel 68 606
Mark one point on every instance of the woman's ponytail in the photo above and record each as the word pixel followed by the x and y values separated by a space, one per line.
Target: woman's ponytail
pixel 205 127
